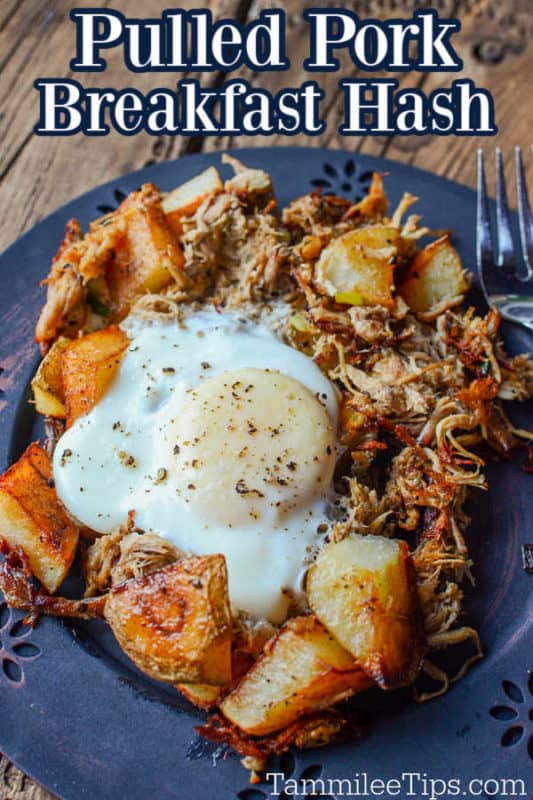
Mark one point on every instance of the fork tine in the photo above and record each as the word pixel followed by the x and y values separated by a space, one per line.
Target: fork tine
pixel 503 224
pixel 483 234
pixel 524 213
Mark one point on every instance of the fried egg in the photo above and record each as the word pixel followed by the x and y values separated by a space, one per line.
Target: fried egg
pixel 222 439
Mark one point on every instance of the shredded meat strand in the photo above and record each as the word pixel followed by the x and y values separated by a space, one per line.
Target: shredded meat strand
pixel 18 587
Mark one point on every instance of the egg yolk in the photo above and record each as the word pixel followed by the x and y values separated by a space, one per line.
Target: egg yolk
pixel 251 445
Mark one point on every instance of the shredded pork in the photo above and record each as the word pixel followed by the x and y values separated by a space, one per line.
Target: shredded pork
pixel 421 393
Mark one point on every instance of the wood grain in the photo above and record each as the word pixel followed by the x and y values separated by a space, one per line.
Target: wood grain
pixel 14 785
pixel 39 174
pixel 496 46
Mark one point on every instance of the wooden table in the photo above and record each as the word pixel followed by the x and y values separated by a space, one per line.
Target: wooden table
pixel 39 174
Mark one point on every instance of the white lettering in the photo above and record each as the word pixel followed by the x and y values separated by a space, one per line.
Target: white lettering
pixel 58 107
pixel 95 29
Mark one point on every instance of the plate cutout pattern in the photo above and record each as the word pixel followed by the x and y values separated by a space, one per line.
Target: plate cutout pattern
pixel 118 197
pixel 306 782
pixel 16 651
pixel 346 181
pixel 515 711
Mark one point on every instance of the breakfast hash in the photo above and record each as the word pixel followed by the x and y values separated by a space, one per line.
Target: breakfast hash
pixel 262 427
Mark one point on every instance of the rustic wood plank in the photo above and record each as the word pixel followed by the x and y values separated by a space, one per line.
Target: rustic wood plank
pixel 40 173
pixel 298 36
pixel 9 7
pixel 496 45
pixel 502 31
pixel 14 785
pixel 14 31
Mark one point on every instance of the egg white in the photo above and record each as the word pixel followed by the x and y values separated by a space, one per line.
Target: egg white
pixel 115 459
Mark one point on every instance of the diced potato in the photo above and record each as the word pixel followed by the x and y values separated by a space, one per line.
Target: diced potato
pixel 358 267
pixel 150 256
pixel 89 364
pixel 435 273
pixel 363 590
pixel 185 199
pixel 175 624
pixel 47 384
pixel 32 518
pixel 201 695
pixel 303 669
pixel 379 237
pixel 207 696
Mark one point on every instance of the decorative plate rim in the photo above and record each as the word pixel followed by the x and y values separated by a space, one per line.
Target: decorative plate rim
pixel 37 711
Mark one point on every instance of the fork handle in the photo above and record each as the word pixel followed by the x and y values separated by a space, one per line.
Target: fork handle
pixel 519 310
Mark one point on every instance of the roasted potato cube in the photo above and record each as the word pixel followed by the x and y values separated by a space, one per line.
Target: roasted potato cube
pixel 202 695
pixel 47 384
pixel 185 199
pixel 33 519
pixel 89 364
pixel 363 590
pixel 303 669
pixel 150 256
pixel 379 237
pixel 175 624
pixel 435 273
pixel 357 268
pixel 207 696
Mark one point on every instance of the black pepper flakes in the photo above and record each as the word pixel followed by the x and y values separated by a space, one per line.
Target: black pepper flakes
pixel 241 488
pixel 126 459
pixel 161 475
pixel 65 455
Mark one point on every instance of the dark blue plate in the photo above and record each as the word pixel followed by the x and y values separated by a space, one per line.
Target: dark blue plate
pixel 84 722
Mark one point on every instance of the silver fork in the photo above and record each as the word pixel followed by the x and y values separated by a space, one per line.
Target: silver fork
pixel 506 284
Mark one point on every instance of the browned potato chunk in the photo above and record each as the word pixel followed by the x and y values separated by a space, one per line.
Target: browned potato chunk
pixel 435 273
pixel 363 590
pixel 150 256
pixel 206 696
pixel 47 384
pixel 32 518
pixel 357 268
pixel 202 695
pixel 175 624
pixel 89 364
pixel 185 199
pixel 303 669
